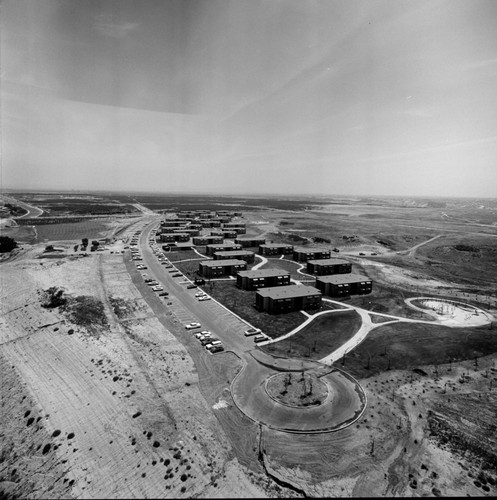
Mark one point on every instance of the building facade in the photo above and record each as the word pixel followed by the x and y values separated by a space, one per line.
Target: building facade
pixel 221 247
pixel 207 240
pixel 303 254
pixel 275 249
pixel 284 299
pixel 250 242
pixel 262 278
pixel 324 267
pixel 245 255
pixel 218 268
pixel 342 285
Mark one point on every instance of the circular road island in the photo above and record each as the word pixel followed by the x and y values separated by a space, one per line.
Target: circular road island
pixel 333 401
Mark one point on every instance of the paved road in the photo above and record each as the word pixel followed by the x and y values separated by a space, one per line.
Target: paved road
pixel 32 211
pixel 347 400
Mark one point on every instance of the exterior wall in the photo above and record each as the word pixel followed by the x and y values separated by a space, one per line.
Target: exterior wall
pixel 221 247
pixel 344 289
pixel 285 305
pixel 326 270
pixel 302 256
pixel 167 237
pixel 283 249
pixel 222 270
pixel 250 242
pixel 248 257
pixel 362 288
pixel 247 283
pixel 207 240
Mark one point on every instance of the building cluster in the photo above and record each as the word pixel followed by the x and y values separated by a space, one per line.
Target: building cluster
pixel 275 293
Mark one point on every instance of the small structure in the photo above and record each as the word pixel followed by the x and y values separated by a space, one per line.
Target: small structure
pixel 283 299
pixel 217 268
pixel 262 278
pixel 340 285
pixel 303 254
pixel 245 255
pixel 324 267
pixel 275 249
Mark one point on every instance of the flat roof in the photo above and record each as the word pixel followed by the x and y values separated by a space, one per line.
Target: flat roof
pixel 288 292
pixel 328 262
pixel 223 245
pixel 310 250
pixel 235 252
pixel 264 273
pixel 223 263
pixel 338 279
pixel 275 245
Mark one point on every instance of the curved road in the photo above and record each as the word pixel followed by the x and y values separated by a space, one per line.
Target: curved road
pixel 32 211
pixel 343 408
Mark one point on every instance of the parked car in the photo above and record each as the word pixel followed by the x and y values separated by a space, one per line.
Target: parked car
pixel 177 275
pixel 199 294
pixel 216 348
pixel 252 331
pixel 260 338
pixel 191 285
pixel 205 297
pixel 191 326
pixel 163 294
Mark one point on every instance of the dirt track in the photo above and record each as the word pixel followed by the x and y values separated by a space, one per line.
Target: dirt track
pixel 120 403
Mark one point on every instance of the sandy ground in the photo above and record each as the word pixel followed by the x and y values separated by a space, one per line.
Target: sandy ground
pixel 121 411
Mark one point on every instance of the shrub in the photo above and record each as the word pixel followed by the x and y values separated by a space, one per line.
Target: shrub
pixel 53 297
pixel 7 244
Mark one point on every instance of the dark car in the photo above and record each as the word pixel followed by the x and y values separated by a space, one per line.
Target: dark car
pixel 163 294
pixel 191 286
pixel 216 348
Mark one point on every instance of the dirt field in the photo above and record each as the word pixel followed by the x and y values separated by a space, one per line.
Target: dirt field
pixel 128 406
pixel 121 413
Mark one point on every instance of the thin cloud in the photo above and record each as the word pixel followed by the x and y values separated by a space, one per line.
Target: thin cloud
pixel 441 147
pixel 106 25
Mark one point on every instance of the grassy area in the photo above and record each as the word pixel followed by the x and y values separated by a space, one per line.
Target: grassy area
pixel 287 265
pixel 242 303
pixel 321 337
pixel 387 300
pixel 406 346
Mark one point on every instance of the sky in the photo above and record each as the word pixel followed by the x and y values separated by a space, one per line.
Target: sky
pixel 333 97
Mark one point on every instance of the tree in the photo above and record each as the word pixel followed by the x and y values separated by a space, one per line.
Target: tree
pixel 84 242
pixel 7 244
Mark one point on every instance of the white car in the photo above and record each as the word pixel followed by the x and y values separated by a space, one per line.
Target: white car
pixel 157 288
pixel 252 331
pixel 191 326
pixel 199 294
pixel 205 297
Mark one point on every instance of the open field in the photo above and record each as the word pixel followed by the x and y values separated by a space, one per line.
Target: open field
pixel 320 338
pixel 404 346
pixel 131 405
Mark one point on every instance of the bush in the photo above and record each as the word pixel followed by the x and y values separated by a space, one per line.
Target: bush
pixel 86 311
pixel 53 297
pixel 7 244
